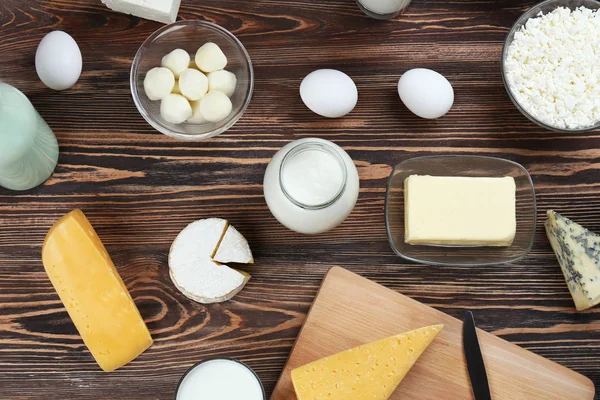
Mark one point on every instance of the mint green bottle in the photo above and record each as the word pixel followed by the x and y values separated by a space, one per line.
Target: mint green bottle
pixel 28 148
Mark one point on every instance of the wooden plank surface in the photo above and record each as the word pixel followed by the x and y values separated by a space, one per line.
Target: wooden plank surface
pixel 139 188
pixel 350 310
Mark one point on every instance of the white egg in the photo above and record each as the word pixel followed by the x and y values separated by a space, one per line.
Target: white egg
pixel 329 93
pixel 58 60
pixel 426 93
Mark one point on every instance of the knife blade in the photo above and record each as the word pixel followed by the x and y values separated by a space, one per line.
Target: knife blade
pixel 475 364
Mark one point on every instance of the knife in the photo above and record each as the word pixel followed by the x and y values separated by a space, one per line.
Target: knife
pixel 475 365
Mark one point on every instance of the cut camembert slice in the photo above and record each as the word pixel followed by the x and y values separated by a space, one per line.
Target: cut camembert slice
pixel 195 261
pixel 578 252
pixel 371 371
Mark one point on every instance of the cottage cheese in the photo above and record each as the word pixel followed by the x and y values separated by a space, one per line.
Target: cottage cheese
pixel 553 67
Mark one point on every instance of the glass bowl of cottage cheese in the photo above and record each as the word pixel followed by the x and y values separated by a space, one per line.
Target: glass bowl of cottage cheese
pixel 550 65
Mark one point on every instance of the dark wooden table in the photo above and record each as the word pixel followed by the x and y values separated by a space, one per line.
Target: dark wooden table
pixel 139 188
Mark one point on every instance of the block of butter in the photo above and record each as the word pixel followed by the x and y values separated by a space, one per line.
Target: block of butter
pixel 460 210
pixel 93 293
pixel 164 11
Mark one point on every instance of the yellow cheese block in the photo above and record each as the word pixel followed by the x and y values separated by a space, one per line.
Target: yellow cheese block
pixel 371 371
pixel 93 292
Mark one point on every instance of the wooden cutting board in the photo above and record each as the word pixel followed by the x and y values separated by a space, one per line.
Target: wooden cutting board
pixel 350 310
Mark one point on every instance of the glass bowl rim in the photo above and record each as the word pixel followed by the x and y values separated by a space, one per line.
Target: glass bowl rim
pixel 528 14
pixel 217 358
pixel 136 96
pixel 478 264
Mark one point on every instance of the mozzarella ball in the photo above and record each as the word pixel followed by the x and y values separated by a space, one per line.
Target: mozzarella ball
pixel 176 88
pixel 175 109
pixel 210 58
pixel 193 84
pixel 159 83
pixel 215 106
pixel 223 81
pixel 177 61
pixel 196 117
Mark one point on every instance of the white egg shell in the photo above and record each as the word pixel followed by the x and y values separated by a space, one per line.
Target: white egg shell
pixel 58 60
pixel 329 93
pixel 426 93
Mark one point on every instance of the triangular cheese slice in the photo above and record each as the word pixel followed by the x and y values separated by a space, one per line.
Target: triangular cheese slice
pixel 233 248
pixel 371 371
pixel 578 252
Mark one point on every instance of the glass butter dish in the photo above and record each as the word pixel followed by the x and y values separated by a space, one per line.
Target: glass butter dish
pixel 467 166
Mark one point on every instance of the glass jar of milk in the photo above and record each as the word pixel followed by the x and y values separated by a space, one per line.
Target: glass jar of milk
pixel 28 148
pixel 383 9
pixel 311 185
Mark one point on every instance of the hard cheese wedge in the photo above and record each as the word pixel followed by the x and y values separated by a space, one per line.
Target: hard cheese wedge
pixel 578 253
pixel 192 257
pixel 371 371
pixel 93 293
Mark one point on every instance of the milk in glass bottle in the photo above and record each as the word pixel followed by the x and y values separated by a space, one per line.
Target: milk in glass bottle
pixel 28 148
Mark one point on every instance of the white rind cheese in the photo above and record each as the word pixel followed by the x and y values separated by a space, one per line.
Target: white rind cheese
pixel 578 253
pixel 193 269
pixel 164 11
pixel 233 248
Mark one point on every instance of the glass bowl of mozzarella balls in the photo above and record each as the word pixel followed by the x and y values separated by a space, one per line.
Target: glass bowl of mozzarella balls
pixel 192 80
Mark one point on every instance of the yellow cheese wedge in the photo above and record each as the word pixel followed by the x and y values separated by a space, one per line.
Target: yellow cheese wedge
pixel 371 371
pixel 93 293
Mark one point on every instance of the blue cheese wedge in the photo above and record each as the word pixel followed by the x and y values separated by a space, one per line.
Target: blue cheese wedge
pixel 578 252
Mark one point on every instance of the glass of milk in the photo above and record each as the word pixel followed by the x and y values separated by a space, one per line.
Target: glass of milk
pixel 28 148
pixel 220 378
pixel 311 185
pixel 383 9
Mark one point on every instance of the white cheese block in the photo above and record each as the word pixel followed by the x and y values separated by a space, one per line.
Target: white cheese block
pixel 164 11
pixel 578 253
pixel 460 210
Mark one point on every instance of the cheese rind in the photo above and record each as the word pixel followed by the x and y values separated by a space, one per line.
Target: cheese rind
pixel 578 253
pixel 371 371
pixel 193 269
pixel 460 210
pixel 164 11
pixel 93 293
